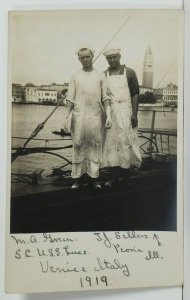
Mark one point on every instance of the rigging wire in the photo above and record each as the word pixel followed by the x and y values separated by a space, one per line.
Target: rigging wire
pixel 112 38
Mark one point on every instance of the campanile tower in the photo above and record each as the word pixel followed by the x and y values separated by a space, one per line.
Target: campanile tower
pixel 147 80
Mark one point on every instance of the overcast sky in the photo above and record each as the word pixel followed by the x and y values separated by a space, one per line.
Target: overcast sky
pixel 43 44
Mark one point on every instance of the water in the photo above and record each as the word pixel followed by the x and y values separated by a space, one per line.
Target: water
pixel 25 119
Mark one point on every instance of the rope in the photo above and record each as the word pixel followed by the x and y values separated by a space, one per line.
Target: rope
pixel 48 140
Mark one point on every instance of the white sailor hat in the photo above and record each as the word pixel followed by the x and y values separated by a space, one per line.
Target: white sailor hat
pixel 112 51
pixel 85 47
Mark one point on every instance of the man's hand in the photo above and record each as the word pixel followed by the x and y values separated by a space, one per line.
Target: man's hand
pixel 108 123
pixel 65 125
pixel 134 121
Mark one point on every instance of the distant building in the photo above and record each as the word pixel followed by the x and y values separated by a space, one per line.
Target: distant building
pixel 38 95
pixel 30 93
pixel 17 92
pixel 60 87
pixel 61 90
pixel 45 87
pixel 44 96
pixel 147 80
pixel 167 95
pixel 144 89
pixel 57 87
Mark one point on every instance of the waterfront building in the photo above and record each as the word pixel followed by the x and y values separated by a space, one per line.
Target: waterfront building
pixel 61 90
pixel 56 87
pixel 40 95
pixel 168 95
pixel 17 92
pixel 30 93
pixel 60 87
pixel 147 80
pixel 46 96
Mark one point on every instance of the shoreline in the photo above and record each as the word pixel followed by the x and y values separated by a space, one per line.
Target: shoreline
pixel 37 103
pixel 145 106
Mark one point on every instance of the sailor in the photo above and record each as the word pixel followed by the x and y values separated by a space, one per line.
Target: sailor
pixel 89 102
pixel 121 148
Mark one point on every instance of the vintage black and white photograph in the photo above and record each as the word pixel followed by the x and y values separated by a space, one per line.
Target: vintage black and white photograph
pixel 95 98
pixel 95 139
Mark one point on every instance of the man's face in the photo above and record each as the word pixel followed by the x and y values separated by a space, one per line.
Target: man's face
pixel 113 60
pixel 86 57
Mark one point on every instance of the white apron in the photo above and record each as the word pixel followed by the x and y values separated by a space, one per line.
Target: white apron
pixel 121 147
pixel 87 92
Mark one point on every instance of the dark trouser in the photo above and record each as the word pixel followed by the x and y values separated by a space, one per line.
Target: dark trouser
pixel 117 172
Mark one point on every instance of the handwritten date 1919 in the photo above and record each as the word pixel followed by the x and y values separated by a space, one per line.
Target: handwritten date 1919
pixel 90 282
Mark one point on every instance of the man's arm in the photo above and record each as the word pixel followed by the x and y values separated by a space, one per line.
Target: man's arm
pixel 68 108
pixel 134 91
pixel 107 108
pixel 135 104
pixel 69 103
pixel 106 102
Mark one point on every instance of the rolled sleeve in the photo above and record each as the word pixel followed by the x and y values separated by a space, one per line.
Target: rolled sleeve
pixel 71 90
pixel 104 87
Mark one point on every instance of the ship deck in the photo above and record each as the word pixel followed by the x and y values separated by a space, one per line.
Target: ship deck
pixel 148 203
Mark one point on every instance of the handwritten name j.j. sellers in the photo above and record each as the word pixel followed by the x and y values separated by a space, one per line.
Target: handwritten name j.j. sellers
pixel 102 265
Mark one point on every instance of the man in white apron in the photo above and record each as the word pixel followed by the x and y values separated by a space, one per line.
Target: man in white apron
pixel 89 102
pixel 121 148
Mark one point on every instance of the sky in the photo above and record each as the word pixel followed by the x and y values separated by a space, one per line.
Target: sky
pixel 43 44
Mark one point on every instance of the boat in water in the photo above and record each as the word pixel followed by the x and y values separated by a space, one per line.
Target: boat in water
pixel 61 132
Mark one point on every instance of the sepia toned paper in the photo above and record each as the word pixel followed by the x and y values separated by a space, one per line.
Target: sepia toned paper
pixel 60 240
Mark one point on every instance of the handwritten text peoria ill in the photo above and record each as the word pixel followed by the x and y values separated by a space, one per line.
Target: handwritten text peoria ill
pixel 120 236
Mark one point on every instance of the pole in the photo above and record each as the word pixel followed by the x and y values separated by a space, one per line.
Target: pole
pixel 41 125
pixel 150 148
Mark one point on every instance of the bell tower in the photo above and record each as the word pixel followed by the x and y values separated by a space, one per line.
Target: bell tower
pixel 147 80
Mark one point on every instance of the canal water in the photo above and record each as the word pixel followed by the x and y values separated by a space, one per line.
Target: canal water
pixel 25 119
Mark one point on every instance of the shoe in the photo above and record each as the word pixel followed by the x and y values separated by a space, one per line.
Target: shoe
pixel 76 185
pixel 114 177
pixel 126 177
pixel 111 184
pixel 94 184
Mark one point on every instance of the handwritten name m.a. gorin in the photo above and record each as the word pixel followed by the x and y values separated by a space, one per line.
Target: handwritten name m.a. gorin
pixel 104 264
pixel 47 267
